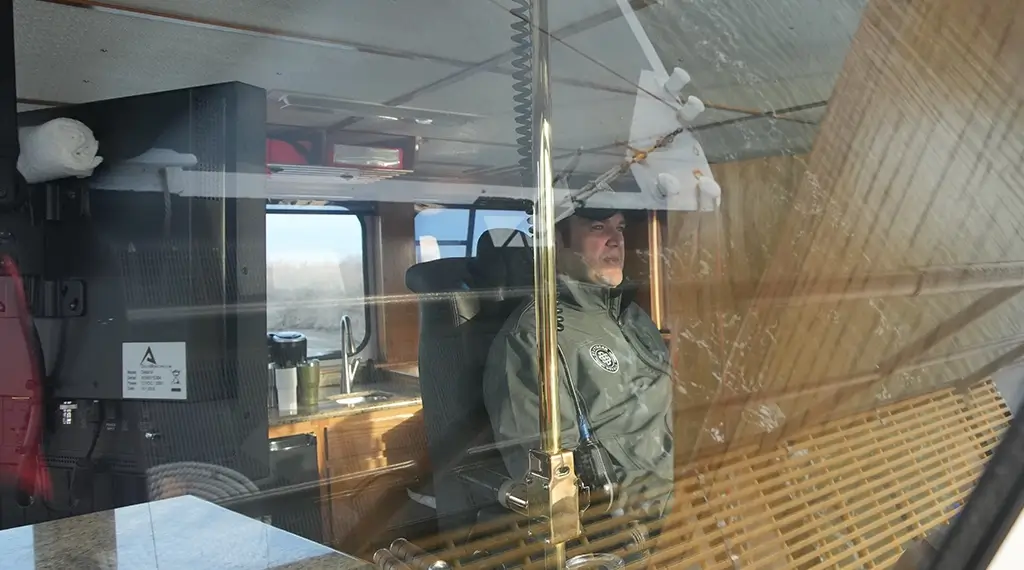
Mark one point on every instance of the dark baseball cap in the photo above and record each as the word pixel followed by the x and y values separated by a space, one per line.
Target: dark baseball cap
pixel 596 214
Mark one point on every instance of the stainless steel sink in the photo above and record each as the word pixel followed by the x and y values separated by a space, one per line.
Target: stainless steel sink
pixel 362 398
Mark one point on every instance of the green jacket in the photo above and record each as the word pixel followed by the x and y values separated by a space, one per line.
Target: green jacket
pixel 620 366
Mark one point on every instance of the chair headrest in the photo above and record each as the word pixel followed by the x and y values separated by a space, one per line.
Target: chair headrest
pixel 500 238
pixel 504 261
pixel 438 276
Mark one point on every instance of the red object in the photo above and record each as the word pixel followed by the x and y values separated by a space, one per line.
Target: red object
pixel 21 397
pixel 284 152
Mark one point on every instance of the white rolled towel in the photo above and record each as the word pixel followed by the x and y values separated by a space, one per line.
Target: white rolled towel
pixel 60 148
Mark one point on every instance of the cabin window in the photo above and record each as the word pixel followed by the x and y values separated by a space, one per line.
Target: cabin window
pixel 317 274
pixel 454 232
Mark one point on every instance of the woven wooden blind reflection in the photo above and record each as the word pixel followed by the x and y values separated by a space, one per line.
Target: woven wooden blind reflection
pixel 842 495
pixel 847 494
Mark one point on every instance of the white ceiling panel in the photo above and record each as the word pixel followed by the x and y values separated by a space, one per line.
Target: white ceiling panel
pixel 581 117
pixel 608 54
pixel 744 54
pixel 456 29
pixel 74 55
pixel 464 30
pixel 562 13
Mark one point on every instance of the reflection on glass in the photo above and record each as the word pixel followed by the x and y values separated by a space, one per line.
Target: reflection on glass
pixel 17 547
pixel 812 372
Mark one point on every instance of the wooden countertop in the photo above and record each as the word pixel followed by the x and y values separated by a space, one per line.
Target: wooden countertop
pixel 171 534
pixel 406 390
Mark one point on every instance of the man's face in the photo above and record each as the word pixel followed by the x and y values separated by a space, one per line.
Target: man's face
pixel 598 248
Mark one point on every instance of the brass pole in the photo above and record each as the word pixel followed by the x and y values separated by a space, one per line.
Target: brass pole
pixel 544 284
pixel 657 291
pixel 559 493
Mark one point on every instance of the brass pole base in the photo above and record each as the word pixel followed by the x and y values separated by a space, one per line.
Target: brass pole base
pixel 553 496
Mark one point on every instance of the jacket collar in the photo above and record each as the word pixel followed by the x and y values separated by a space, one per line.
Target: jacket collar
pixel 593 298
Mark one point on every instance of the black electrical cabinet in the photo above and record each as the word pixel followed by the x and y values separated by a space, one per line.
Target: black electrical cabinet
pixel 148 284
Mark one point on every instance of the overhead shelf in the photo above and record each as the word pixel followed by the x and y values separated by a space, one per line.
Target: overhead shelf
pixel 347 175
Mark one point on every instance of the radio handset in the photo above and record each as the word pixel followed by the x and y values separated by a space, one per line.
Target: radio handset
pixel 593 464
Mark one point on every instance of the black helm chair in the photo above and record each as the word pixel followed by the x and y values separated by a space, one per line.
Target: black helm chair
pixel 463 304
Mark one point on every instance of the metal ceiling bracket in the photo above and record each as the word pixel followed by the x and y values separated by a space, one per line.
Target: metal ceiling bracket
pixel 653 59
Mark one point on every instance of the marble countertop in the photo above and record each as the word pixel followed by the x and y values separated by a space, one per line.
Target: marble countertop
pixel 180 533
pixel 405 390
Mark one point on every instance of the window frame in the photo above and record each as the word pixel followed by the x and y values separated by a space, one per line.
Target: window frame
pixel 992 508
pixel 360 213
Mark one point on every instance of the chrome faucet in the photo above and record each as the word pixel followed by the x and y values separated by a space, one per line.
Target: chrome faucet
pixel 349 364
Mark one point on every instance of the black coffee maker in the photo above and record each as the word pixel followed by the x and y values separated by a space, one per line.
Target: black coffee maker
pixel 285 352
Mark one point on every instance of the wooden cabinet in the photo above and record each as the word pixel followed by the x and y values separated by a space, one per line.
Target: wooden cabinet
pixel 367 461
pixel 372 459
pixel 375 439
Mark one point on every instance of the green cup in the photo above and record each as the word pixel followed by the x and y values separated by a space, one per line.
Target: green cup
pixel 309 383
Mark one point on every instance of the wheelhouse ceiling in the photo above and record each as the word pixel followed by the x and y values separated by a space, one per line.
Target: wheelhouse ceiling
pixel 765 69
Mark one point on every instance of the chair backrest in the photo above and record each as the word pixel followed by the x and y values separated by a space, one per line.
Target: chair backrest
pixel 463 304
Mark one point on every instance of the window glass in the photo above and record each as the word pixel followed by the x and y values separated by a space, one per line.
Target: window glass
pixel 315 276
pixel 442 232
pixel 494 220
pixel 444 224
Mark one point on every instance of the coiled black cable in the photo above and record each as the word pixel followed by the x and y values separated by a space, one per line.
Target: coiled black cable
pixel 522 86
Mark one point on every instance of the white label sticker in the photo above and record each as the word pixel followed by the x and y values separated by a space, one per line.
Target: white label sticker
pixel 154 371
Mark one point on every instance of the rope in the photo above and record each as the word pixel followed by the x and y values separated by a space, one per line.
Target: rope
pixel 204 480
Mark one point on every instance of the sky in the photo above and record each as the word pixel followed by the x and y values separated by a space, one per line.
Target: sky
pixel 320 238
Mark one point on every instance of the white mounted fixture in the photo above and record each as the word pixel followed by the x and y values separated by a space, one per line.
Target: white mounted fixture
pixel 677 173
pixel 665 158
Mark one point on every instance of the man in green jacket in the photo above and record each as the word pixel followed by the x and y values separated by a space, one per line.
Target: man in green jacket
pixel 610 352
